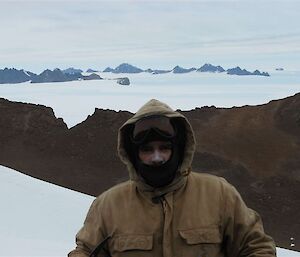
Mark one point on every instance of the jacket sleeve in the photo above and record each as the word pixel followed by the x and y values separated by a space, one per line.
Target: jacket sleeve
pixel 91 234
pixel 244 235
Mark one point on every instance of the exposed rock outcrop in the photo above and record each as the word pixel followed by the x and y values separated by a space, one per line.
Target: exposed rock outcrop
pixel 178 69
pixel 55 76
pixel 210 68
pixel 12 76
pixel 242 72
pixel 157 71
pixel 108 69
pixel 124 68
pixel 123 81
pixel 18 76
pixel 92 76
pixel 91 71
pixel 71 74
pixel 72 71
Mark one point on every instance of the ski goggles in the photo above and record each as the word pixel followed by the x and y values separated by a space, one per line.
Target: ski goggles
pixel 160 124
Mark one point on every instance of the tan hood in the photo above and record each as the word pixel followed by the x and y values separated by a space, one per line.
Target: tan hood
pixel 155 107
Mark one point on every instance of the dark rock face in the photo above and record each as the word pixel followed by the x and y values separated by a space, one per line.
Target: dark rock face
pixel 179 69
pixel 256 148
pixel 157 71
pixel 92 76
pixel 11 76
pixel 127 68
pixel 123 81
pixel 210 68
pixel 36 133
pixel 72 71
pixel 240 72
pixel 43 147
pixel 55 76
pixel 108 69
pixel 91 70
pixel 124 68
pixel 258 73
pixel 160 71
pixel 31 74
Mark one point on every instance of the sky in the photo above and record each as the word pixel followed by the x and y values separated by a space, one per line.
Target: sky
pixel 253 34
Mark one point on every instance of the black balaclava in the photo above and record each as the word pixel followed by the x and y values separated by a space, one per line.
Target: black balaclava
pixel 161 175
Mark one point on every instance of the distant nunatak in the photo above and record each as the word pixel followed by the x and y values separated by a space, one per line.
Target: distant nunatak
pixel 12 75
pixel 128 68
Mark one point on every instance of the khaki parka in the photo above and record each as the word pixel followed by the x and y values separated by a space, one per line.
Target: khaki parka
pixel 197 215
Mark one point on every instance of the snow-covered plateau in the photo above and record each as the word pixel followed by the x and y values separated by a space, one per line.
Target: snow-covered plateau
pixel 41 219
pixel 38 218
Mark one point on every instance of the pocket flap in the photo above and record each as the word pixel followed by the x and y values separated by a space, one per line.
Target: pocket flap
pixel 201 235
pixel 133 242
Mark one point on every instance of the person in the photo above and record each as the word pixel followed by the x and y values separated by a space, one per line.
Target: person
pixel 165 209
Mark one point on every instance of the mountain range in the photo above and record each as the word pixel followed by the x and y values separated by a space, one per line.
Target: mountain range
pixel 256 148
pixel 12 75
pixel 128 68
pixel 58 75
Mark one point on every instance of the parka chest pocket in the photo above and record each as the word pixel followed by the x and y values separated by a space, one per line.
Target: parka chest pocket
pixel 131 245
pixel 201 242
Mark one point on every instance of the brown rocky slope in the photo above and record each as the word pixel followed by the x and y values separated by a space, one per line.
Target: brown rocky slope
pixel 256 148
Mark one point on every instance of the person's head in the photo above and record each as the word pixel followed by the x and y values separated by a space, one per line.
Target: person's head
pixel 154 138
pixel 157 145
pixel 155 150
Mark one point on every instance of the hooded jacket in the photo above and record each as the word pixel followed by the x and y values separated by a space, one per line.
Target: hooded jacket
pixel 196 215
